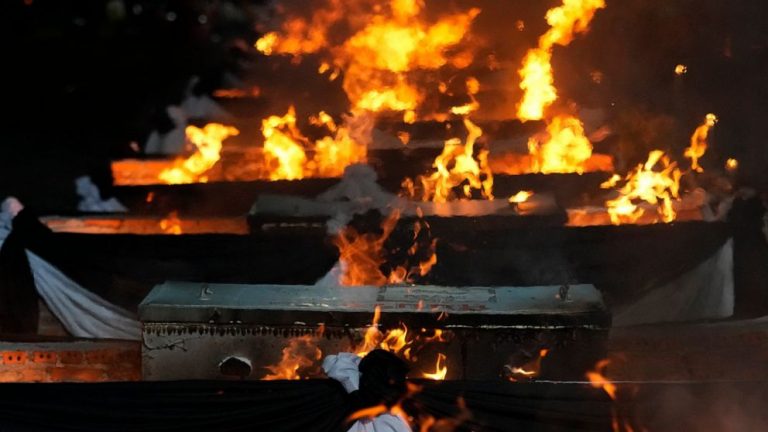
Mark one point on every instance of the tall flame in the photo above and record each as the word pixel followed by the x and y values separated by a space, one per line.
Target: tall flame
pixel 283 147
pixel 456 166
pixel 567 148
pixel 565 21
pixel 656 182
pixel 699 142
pixel 441 370
pixel 208 143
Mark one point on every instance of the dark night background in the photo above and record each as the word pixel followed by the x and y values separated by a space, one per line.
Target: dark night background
pixel 83 79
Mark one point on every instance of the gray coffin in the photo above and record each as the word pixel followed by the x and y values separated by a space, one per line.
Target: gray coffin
pixel 194 330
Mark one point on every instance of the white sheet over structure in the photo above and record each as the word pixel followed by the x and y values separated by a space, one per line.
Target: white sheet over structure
pixel 706 292
pixel 83 313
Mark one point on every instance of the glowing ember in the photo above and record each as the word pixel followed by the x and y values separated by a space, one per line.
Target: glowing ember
pixel 567 149
pixel 457 167
pixel 441 370
pixel 656 182
pixel 681 69
pixel 528 370
pixel 565 21
pixel 520 197
pixel 699 142
pixel 731 165
pixel 171 224
pixel 208 143
pixel 236 93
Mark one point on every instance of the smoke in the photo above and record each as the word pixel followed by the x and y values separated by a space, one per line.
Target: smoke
pixel 710 407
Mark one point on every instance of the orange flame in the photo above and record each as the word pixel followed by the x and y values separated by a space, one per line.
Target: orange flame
pixel 598 380
pixel 383 47
pixel 208 143
pixel 520 197
pixel 456 166
pixel 299 36
pixel 658 187
pixel 731 165
pixel 528 370
pixel 699 142
pixel 565 21
pixel 285 147
pixel 301 352
pixel 566 150
pixel 441 370
pixel 361 255
pixel 171 224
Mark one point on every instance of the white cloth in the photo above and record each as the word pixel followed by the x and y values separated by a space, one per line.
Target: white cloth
pixel 382 423
pixel 343 368
pixel 706 292
pixel 83 313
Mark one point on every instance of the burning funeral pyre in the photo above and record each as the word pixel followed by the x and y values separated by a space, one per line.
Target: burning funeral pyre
pixel 419 223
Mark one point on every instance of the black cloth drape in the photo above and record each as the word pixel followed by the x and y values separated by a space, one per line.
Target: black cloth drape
pixel 313 405
pixel 18 296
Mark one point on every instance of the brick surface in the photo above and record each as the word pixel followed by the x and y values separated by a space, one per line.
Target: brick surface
pixel 9 375
pixel 126 373
pixel 76 373
pixel 14 357
pixel 71 357
pixel 44 357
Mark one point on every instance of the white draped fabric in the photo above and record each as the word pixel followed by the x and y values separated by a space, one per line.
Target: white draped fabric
pixel 83 313
pixel 706 292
